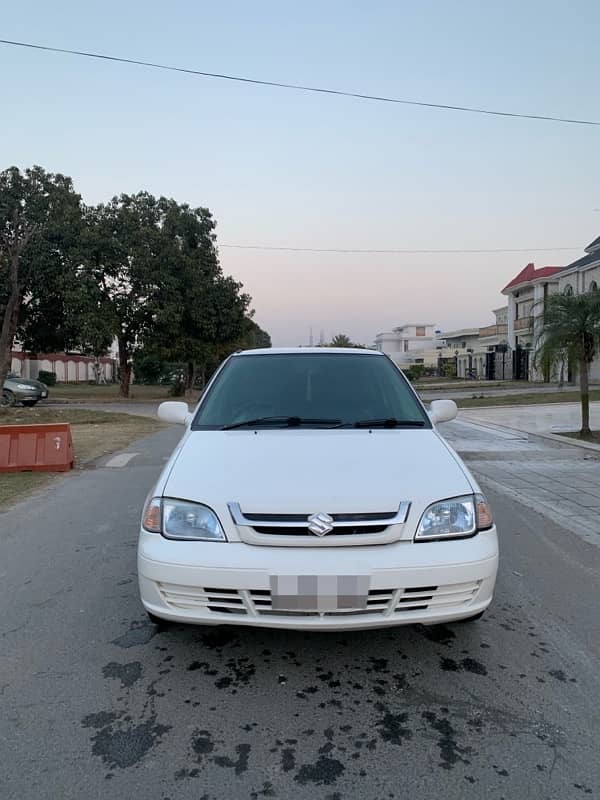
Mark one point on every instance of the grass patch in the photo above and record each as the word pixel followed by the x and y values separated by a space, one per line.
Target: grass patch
pixel 90 393
pixel 448 384
pixel 526 399
pixel 95 434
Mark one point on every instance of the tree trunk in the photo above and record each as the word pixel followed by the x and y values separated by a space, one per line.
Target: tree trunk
pixel 13 304
pixel 124 369
pixel 584 389
pixel 7 334
pixel 190 376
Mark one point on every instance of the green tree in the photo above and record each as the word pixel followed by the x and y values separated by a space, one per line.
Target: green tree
pixel 40 223
pixel 204 311
pixel 127 261
pixel 253 336
pixel 570 329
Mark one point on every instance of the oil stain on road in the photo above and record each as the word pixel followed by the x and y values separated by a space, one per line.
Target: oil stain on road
pixel 284 709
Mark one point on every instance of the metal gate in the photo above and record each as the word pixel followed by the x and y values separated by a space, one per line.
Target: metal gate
pixel 521 364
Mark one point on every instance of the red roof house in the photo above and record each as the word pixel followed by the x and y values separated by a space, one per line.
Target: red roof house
pixel 529 274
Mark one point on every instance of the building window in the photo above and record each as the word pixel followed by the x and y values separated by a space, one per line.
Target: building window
pixel 568 290
pixel 593 286
pixel 406 345
pixel 420 330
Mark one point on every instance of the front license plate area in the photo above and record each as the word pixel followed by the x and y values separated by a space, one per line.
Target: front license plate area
pixel 319 592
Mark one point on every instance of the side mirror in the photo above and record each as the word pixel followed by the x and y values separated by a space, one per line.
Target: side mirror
pixel 174 412
pixel 442 411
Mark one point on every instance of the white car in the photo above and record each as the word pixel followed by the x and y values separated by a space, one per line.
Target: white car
pixel 312 490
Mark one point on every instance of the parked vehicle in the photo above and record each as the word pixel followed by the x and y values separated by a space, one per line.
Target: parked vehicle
pixel 22 390
pixel 311 489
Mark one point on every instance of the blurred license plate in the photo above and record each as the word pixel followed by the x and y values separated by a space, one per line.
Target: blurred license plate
pixel 319 592
pixel 44 394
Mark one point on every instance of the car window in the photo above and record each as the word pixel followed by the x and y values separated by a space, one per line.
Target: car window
pixel 343 387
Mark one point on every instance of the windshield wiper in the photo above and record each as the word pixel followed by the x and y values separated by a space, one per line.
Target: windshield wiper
pixel 390 422
pixel 288 422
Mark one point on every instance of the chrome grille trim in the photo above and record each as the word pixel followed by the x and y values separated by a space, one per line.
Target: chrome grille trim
pixel 300 521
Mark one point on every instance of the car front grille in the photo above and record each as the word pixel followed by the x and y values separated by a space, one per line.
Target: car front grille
pixel 355 530
pixel 292 530
pixel 258 602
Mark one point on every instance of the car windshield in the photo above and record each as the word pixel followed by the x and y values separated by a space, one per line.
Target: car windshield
pixel 309 390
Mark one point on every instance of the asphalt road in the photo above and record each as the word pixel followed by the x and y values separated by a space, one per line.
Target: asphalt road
pixel 95 702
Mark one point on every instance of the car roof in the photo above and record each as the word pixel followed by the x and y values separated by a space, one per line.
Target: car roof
pixel 266 351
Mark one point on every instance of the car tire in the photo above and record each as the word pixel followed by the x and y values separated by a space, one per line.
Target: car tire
pixel 29 403
pixel 158 621
pixel 7 399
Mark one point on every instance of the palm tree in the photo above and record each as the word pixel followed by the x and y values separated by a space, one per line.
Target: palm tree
pixel 570 328
pixel 341 340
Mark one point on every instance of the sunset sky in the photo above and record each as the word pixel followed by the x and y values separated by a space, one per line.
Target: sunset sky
pixel 285 168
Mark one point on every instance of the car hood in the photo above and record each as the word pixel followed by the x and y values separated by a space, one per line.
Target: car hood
pixel 304 471
pixel 30 384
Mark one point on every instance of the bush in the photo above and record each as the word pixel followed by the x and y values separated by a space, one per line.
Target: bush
pixel 49 378
pixel 450 370
pixel 414 372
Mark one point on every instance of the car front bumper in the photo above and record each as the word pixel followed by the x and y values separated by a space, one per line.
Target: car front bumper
pixel 231 583
pixel 32 396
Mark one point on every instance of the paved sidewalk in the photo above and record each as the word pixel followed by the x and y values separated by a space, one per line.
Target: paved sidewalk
pixel 562 483
pixel 541 418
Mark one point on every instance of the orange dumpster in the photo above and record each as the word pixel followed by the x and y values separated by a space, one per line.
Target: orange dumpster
pixel 36 448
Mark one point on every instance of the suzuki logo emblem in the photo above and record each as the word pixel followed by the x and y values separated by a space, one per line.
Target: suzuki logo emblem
pixel 320 524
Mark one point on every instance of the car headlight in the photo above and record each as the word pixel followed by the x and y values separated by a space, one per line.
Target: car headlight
pixel 457 517
pixel 179 519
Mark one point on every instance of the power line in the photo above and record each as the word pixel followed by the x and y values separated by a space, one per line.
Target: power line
pixel 408 252
pixel 299 87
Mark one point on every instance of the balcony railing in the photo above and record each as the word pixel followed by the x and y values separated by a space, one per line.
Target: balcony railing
pixel 493 330
pixel 523 324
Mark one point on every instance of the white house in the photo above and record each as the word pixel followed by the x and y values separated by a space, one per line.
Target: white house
pixel 526 294
pixel 407 343
pixel 583 276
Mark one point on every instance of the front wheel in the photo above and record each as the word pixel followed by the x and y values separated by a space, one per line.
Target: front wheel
pixel 7 399
pixel 29 403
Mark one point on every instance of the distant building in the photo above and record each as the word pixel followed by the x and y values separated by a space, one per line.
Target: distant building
pixel 583 276
pixel 526 294
pixel 463 344
pixel 486 351
pixel 493 335
pixel 424 344
pixel 68 367
pixel 407 343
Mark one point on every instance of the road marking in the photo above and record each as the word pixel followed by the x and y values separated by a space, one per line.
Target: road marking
pixel 120 460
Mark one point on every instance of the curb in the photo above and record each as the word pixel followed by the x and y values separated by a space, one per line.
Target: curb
pixel 556 439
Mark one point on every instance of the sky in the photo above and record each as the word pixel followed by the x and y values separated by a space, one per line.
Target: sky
pixel 285 168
